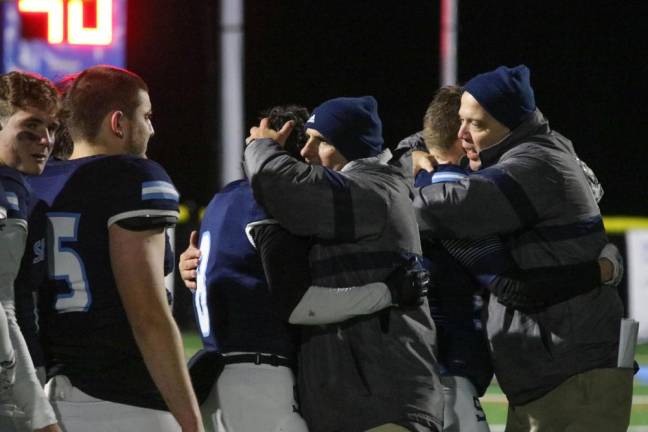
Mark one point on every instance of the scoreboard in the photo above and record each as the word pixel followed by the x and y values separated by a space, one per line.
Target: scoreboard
pixel 58 37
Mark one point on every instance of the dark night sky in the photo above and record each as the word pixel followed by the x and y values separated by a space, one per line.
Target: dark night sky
pixel 587 60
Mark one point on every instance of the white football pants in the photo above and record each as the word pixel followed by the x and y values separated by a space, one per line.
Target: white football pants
pixel 462 411
pixel 253 398
pixel 80 412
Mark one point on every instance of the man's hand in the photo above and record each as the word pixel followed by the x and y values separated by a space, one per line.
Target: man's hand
pixel 264 131
pixel 611 265
pixel 422 161
pixel 474 165
pixel 189 262
pixel 409 284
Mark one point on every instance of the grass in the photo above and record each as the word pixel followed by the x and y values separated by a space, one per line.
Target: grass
pixel 192 343
pixel 496 411
pixel 641 355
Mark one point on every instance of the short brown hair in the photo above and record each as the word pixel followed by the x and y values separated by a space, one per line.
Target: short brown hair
pixel 63 144
pixel 22 90
pixel 441 121
pixel 96 92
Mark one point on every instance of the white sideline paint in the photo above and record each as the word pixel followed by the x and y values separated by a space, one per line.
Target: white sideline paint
pixel 637 270
pixel 500 398
pixel 500 428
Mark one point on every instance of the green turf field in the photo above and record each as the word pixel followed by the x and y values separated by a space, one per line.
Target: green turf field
pixel 495 403
pixel 496 411
pixel 192 343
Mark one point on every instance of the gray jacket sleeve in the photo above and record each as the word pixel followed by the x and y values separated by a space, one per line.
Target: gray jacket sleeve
pixel 311 200
pixel 471 208
pixel 497 200
pixel 12 245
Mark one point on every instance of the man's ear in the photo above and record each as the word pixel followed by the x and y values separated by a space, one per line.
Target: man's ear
pixel 116 120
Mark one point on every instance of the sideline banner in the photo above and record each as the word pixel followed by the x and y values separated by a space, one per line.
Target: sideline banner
pixel 637 271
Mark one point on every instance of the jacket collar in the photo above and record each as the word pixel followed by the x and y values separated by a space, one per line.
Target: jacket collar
pixel 534 124
pixel 398 163
pixel 380 159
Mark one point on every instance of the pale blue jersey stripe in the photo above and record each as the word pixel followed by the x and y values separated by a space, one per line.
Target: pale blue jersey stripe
pixel 159 190
pixel 160 196
pixel 12 199
pixel 443 177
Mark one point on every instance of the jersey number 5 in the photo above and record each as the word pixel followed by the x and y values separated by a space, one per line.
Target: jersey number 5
pixel 64 263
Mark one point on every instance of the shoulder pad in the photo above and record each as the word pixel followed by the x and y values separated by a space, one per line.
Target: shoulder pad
pixel 141 189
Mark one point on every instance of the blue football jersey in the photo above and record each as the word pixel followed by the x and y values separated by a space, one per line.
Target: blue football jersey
pixel 84 328
pixel 232 302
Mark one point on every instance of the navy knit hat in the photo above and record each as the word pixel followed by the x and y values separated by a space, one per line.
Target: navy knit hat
pixel 506 94
pixel 351 125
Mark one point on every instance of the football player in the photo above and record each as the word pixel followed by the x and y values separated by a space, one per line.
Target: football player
pixel 114 353
pixel 29 107
pixel 254 390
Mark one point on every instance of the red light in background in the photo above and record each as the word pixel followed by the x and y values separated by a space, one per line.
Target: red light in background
pixel 54 11
pixel 99 33
pixel 33 26
pixel 89 13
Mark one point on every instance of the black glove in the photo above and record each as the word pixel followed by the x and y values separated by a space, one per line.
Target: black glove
pixel 409 284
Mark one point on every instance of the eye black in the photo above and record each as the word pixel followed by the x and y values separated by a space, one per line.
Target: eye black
pixel 28 136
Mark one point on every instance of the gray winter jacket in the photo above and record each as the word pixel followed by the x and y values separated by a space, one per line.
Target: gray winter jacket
pixel 533 192
pixel 370 370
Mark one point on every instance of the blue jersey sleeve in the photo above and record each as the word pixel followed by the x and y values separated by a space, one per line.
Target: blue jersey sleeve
pixel 142 191
pixel 15 196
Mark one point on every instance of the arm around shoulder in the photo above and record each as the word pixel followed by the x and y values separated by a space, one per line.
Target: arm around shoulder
pixel 303 198
pixel 473 207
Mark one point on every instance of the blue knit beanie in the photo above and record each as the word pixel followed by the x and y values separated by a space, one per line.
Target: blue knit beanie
pixel 351 125
pixel 506 94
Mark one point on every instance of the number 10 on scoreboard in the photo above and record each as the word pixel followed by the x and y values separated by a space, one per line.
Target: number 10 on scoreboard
pixel 77 33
